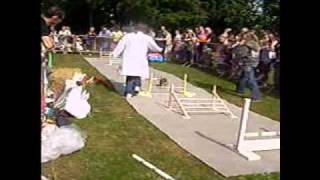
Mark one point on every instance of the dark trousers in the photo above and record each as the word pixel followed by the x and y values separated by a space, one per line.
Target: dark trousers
pixel 277 76
pixel 264 69
pixel 199 53
pixel 247 79
pixel 104 46
pixel 131 83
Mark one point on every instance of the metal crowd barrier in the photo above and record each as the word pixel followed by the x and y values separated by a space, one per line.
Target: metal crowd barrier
pixel 90 44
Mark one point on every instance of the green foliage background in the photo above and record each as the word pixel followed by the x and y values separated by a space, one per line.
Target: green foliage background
pixel 219 14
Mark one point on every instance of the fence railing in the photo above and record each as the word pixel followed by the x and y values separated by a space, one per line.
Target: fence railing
pixel 83 44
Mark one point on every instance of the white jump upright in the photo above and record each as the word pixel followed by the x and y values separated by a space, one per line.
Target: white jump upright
pixel 247 147
pixel 199 105
pixel 148 92
pixel 112 60
pixel 184 88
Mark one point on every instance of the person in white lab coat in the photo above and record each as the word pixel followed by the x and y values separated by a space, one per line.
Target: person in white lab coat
pixel 134 47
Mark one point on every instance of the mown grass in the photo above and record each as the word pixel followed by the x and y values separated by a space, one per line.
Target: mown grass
pixel 116 131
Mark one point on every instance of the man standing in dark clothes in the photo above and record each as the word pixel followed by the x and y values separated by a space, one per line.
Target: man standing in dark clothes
pixel 50 18
pixel 277 68
pixel 248 61
pixel 161 39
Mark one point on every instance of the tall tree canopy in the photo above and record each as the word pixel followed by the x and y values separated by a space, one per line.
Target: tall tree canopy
pixel 174 14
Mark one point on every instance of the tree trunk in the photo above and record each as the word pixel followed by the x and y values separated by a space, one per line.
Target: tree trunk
pixel 90 17
pixel 90 9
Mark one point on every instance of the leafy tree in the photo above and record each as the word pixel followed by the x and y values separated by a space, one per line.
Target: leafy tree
pixel 219 14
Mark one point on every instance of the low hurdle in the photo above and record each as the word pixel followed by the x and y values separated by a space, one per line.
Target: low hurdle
pixel 111 60
pixel 247 147
pixel 199 105
pixel 85 52
pixel 182 89
pixel 106 55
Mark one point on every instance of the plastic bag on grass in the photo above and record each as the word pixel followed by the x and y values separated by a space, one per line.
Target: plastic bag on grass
pixel 60 141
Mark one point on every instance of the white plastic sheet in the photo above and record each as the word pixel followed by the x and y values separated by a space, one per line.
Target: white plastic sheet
pixel 77 104
pixel 60 141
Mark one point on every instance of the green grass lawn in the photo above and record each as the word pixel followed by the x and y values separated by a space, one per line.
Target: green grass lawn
pixel 269 106
pixel 116 131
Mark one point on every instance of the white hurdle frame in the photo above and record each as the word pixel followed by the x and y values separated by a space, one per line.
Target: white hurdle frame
pixel 206 105
pixel 247 147
pixel 113 60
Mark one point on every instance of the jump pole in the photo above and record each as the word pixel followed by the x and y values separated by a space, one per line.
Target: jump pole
pixel 148 92
pixel 247 147
pixel 185 92
pixel 243 124
pixel 152 167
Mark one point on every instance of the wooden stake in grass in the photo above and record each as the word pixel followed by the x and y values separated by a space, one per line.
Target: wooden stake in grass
pixel 152 167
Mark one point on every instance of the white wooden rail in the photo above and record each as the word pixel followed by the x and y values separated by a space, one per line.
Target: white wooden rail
pixel 199 105
pixel 246 147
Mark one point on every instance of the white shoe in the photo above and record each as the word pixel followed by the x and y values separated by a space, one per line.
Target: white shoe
pixel 137 89
pixel 128 96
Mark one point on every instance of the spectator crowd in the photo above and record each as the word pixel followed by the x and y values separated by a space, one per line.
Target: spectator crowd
pixel 201 47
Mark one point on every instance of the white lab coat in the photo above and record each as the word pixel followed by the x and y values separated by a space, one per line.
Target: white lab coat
pixel 134 47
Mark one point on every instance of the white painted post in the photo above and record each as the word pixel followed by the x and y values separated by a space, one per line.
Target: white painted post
pixel 152 167
pixel 148 92
pixel 185 91
pixel 150 83
pixel 170 96
pixel 100 53
pixel 110 60
pixel 185 82
pixel 243 124
pixel 95 44
pixel 214 90
pixel 185 113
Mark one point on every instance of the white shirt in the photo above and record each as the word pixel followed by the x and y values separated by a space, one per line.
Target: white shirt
pixel 134 47
pixel 65 33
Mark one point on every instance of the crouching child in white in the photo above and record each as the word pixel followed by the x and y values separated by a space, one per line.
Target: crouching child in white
pixel 134 47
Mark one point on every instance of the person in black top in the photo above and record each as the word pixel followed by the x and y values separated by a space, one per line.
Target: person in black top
pixel 277 68
pixel 161 39
pixel 50 18
pixel 245 54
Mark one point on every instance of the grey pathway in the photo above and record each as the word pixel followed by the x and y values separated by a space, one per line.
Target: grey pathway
pixel 207 136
